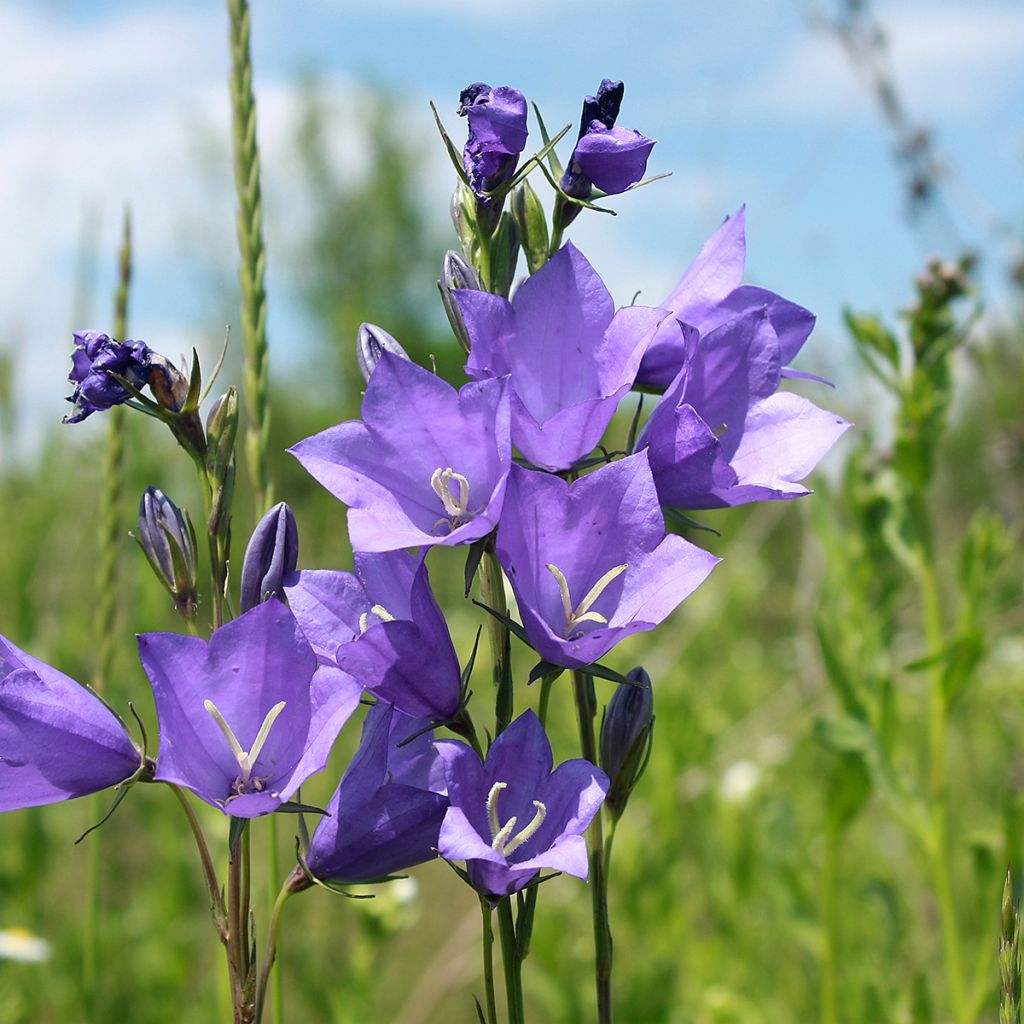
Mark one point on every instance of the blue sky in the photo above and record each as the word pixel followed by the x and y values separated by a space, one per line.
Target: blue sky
pixel 100 103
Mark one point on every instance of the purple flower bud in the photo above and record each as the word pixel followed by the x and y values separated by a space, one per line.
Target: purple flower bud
pixel 603 107
pixel 168 540
pixel 167 383
pixel 270 558
pixel 457 275
pixel 96 356
pixel 497 134
pixel 370 343
pixel 626 734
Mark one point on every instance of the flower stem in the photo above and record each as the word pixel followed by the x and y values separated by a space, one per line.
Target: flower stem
pixel 272 963
pixel 586 711
pixel 511 962
pixel 488 950
pixel 253 263
pixel 492 589
pixel 270 957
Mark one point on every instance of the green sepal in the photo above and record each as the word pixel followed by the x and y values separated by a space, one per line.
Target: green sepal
pixel 453 154
pixel 533 226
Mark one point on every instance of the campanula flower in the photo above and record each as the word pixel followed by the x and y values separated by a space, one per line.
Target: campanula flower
pixel 385 814
pixel 382 625
pixel 168 540
pixel 590 562
pixel 95 357
pixel 246 718
pixel 270 557
pixel 58 740
pixel 497 135
pixel 425 465
pixel 511 815
pixel 569 355
pixel 626 733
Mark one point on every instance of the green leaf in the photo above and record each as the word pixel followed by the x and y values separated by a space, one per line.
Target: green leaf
pixel 453 154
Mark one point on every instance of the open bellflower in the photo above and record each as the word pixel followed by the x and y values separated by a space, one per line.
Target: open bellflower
pixel 58 740
pixel 95 357
pixel 425 465
pixel 382 626
pixel 570 357
pixel 385 814
pixel 497 134
pixel 590 562
pixel 246 718
pixel 511 815
pixel 723 434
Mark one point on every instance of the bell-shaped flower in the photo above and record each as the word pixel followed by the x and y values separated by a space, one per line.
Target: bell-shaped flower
pixel 511 815
pixel 425 465
pixel 590 562
pixel 722 434
pixel 382 625
pixel 58 740
pixel 385 814
pixel 246 718
pixel 709 294
pixel 497 134
pixel 570 356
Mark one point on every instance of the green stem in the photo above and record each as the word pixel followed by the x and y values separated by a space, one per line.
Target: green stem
pixel 586 711
pixel 252 252
pixel 238 921
pixel 833 927
pixel 511 962
pixel 488 949
pixel 270 955
pixel 276 990
pixel 492 590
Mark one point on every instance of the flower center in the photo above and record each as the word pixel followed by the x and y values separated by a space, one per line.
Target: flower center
pixel 380 611
pixel 504 838
pixel 246 758
pixel 582 612
pixel 453 490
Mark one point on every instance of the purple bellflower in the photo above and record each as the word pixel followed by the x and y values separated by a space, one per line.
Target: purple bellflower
pixel 610 158
pixel 95 357
pixel 590 562
pixel 246 718
pixel 511 816
pixel 570 356
pixel 382 626
pixel 385 814
pixel 497 135
pixel 426 465
pixel 58 740
pixel 722 434
pixel 710 293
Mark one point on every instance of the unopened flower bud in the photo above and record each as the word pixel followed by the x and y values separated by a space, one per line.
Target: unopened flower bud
pixel 626 734
pixel 504 255
pixel 456 275
pixel 533 225
pixel 221 430
pixel 168 540
pixel 168 385
pixel 370 343
pixel 270 558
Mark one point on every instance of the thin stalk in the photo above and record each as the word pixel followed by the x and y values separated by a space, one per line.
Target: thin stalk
pixel 270 955
pixel 488 950
pixel 107 601
pixel 833 927
pixel 492 590
pixel 273 964
pixel 511 962
pixel 238 921
pixel 586 711
pixel 252 252
pixel 545 696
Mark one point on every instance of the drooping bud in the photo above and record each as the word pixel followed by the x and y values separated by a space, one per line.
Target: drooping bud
pixel 371 341
pixel 168 540
pixel 533 226
pixel 456 275
pixel 270 557
pixel 504 255
pixel 626 735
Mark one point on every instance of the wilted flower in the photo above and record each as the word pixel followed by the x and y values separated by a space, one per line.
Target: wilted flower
pixel 426 465
pixel 497 135
pixel 386 812
pixel 589 562
pixel 511 816
pixel 371 341
pixel 382 625
pixel 270 557
pixel 626 738
pixel 58 740
pixel 95 357
pixel 246 718
pixel 168 541
pixel 569 355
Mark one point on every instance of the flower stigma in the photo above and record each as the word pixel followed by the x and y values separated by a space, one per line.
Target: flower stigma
pixel 246 758
pixel 504 839
pixel 455 499
pixel 380 611
pixel 582 612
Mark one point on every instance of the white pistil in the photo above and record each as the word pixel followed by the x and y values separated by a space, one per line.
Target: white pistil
pixel 503 839
pixel 380 611
pixel 456 505
pixel 246 758
pixel 582 612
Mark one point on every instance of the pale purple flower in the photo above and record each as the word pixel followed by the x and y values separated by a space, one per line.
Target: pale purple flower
pixel 497 134
pixel 590 562
pixel 58 740
pixel 246 718
pixel 569 355
pixel 425 465
pixel 511 816
pixel 382 626
pixel 96 355
pixel 385 814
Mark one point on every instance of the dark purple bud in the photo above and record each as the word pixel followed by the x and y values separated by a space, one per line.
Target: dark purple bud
pixel 603 107
pixel 95 358
pixel 626 735
pixel 370 343
pixel 168 540
pixel 457 275
pixel 270 558
pixel 167 383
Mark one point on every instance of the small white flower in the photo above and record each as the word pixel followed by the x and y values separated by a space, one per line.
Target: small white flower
pixel 20 944
pixel 738 781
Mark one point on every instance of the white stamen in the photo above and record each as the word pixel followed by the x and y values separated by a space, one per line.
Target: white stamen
pixel 529 832
pixel 456 506
pixel 380 611
pixel 582 612
pixel 492 807
pixel 503 837
pixel 246 758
